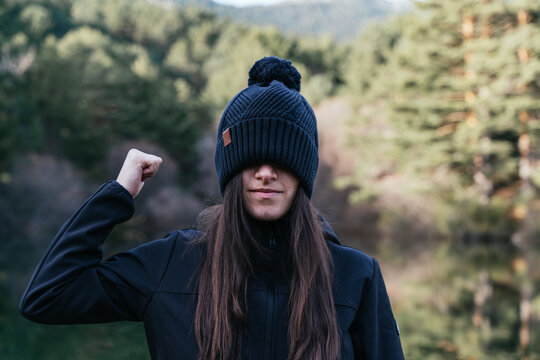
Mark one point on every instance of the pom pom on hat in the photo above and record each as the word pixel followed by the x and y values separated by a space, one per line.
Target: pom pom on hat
pixel 272 68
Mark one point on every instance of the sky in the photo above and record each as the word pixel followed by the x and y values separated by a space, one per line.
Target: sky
pixel 241 3
pixel 248 2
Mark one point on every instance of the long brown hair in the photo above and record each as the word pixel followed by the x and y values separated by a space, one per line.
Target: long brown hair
pixel 220 317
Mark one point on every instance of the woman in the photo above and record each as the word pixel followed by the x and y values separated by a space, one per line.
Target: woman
pixel 264 277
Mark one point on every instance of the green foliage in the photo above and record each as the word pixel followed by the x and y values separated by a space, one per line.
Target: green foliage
pixel 94 85
pixel 366 60
pixel 37 18
pixel 436 320
pixel 233 55
pixel 20 128
pixel 318 61
pixel 446 103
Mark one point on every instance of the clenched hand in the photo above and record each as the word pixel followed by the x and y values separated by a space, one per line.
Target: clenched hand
pixel 137 168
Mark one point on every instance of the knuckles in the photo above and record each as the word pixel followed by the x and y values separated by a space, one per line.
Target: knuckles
pixel 140 157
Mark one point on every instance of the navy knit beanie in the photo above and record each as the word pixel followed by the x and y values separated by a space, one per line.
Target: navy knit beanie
pixel 269 122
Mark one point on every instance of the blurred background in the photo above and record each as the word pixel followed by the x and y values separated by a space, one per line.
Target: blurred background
pixel 429 119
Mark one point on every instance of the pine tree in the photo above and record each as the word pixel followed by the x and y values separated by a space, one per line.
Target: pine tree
pixel 457 95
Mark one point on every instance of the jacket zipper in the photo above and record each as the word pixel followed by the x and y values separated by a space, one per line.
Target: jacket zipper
pixel 272 327
pixel 272 241
pixel 271 307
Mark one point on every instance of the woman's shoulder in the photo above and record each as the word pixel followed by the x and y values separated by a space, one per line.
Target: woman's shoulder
pixel 351 260
pixel 175 241
pixel 187 244
pixel 346 259
pixel 187 236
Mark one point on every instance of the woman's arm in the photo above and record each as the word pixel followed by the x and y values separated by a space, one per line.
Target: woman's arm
pixel 375 332
pixel 72 285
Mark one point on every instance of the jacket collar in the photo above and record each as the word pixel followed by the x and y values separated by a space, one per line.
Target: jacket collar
pixel 282 228
pixel 328 232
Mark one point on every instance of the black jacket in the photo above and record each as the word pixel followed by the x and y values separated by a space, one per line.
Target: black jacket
pixel 154 283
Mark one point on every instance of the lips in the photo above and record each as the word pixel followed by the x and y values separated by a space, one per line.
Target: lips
pixel 265 192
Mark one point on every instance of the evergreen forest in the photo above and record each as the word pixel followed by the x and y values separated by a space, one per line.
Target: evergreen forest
pixel 429 125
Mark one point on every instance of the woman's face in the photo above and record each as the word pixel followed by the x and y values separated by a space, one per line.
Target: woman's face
pixel 268 191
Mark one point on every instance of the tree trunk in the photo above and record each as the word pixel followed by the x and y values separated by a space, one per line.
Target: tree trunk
pixel 522 236
pixel 481 296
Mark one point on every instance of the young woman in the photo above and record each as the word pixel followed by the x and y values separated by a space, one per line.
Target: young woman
pixel 263 277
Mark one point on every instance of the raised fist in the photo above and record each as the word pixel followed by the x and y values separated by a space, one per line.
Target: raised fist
pixel 138 167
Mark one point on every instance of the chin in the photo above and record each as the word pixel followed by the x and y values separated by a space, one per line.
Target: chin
pixel 266 216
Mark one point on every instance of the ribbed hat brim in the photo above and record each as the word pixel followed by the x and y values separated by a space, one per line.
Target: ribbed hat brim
pixel 272 140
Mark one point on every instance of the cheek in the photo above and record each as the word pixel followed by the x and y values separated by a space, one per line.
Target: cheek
pixel 248 203
pixel 287 201
pixel 245 180
pixel 293 187
pixel 290 200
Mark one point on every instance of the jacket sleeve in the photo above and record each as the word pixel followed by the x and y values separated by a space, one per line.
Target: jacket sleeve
pixel 375 332
pixel 71 284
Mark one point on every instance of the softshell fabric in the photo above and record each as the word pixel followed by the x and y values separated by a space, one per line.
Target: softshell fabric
pixel 157 283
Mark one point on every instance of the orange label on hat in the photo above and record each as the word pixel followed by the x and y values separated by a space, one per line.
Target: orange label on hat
pixel 226 137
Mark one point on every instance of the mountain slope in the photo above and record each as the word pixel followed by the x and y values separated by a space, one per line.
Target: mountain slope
pixel 342 19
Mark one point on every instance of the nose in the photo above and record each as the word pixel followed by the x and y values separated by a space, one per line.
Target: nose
pixel 266 173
